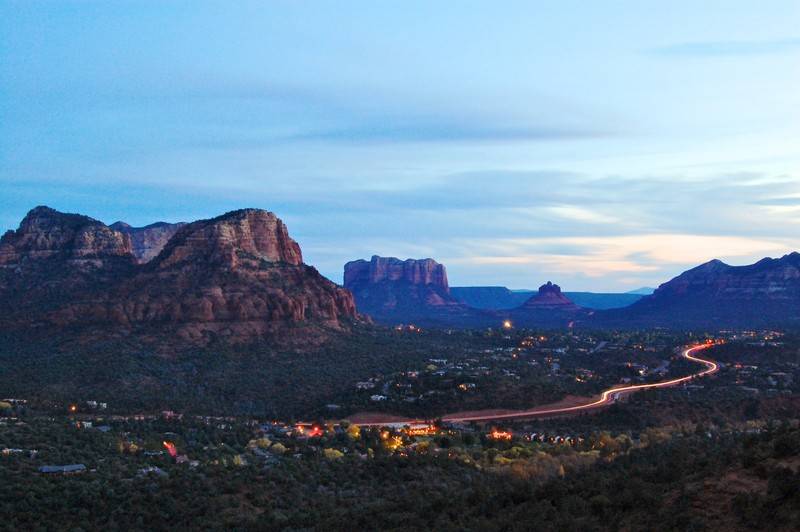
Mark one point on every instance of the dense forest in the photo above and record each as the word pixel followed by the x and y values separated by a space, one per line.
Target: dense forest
pixel 681 480
pixel 264 379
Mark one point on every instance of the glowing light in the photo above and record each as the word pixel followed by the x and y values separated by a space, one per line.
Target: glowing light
pixel 608 396
pixel 171 449
pixel 421 431
pixel 73 408
pixel 507 324
pixel 503 435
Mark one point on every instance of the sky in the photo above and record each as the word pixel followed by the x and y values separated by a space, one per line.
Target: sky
pixel 601 145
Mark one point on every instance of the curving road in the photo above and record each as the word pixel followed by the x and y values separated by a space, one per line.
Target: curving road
pixel 606 398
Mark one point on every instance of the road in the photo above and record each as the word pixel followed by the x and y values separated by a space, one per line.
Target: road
pixel 606 398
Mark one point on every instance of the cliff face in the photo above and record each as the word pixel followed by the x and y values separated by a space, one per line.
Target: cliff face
pixel 390 269
pixel 715 294
pixel 148 241
pixel 407 291
pixel 54 258
pixel 46 234
pixel 239 275
pixel 247 237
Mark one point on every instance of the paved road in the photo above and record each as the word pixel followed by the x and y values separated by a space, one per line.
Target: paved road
pixel 606 398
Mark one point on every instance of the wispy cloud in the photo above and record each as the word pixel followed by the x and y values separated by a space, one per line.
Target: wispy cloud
pixel 610 255
pixel 784 201
pixel 726 48
pixel 446 132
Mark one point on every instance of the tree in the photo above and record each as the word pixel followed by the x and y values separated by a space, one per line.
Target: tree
pixel 354 432
pixel 278 448
pixel 333 454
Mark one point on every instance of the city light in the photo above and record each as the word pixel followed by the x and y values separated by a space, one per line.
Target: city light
pixel 501 435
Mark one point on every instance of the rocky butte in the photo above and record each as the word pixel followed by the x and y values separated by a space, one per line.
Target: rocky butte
pixel 548 307
pixel 549 297
pixel 403 291
pixel 238 276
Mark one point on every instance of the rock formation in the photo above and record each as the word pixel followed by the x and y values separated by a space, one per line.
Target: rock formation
pixel 239 275
pixel 405 291
pixel 389 269
pixel 549 297
pixel 547 308
pixel 715 294
pixel 54 258
pixel 148 241
pixel 46 235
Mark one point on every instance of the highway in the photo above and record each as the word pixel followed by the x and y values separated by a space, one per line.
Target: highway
pixel 606 398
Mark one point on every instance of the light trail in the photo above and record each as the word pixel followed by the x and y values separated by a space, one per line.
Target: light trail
pixel 606 398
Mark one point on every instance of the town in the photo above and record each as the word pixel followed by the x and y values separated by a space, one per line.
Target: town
pixel 574 364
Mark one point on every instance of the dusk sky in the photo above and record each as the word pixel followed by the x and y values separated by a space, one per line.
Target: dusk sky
pixel 601 145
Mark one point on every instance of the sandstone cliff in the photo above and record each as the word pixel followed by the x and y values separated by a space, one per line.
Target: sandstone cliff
pixel 76 240
pixel 239 275
pixel 408 291
pixel 409 271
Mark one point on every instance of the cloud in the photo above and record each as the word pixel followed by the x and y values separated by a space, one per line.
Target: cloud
pixel 728 48
pixel 614 255
pixel 445 131
pixel 787 201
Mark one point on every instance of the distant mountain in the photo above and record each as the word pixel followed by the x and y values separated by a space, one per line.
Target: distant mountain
pixel 500 298
pixel 715 295
pixel 407 291
pixel 238 276
pixel 643 291
pixel 490 297
pixel 600 301
pixel 148 241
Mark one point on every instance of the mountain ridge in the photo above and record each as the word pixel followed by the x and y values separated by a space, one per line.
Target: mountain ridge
pixel 237 276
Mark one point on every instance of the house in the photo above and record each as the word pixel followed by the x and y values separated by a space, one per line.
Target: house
pixel 64 469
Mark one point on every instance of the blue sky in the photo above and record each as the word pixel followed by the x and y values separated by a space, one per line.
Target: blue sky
pixel 601 145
